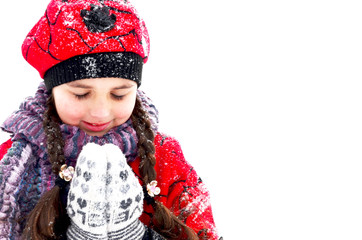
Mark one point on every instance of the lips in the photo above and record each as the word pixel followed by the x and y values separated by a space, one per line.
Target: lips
pixel 96 127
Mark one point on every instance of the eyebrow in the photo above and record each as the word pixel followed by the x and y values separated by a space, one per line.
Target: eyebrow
pixel 80 85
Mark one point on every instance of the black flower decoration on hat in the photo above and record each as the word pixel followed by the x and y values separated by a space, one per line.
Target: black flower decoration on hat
pixel 98 19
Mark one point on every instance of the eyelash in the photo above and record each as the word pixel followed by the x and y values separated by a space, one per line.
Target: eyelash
pixel 80 97
pixel 116 97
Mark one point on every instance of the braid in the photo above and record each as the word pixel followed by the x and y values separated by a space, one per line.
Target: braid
pixel 48 219
pixel 55 142
pixel 166 223
pixel 146 148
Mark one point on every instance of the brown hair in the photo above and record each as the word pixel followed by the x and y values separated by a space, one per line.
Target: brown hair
pixel 166 223
pixel 49 220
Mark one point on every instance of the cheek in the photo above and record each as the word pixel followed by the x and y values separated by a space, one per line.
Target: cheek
pixel 70 112
pixel 123 111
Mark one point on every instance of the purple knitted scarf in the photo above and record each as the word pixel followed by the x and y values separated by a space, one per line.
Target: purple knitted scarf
pixel 25 172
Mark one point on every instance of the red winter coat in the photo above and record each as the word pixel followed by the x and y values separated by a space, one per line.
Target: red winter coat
pixel 182 191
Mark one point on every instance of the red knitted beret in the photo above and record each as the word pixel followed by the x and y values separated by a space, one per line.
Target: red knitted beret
pixel 78 39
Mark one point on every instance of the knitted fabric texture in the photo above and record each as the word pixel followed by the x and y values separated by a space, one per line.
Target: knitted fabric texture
pixel 105 198
pixel 25 172
pixel 78 39
pixel 182 190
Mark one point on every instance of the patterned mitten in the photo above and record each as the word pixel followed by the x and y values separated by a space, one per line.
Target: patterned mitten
pixel 105 198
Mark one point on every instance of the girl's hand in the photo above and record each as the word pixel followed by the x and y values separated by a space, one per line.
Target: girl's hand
pixel 105 196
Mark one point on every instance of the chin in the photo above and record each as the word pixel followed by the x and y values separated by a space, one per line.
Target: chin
pixel 96 134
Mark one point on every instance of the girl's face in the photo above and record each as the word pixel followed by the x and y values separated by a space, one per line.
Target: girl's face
pixel 95 105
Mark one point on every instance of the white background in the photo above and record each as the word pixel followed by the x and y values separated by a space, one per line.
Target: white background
pixel 264 96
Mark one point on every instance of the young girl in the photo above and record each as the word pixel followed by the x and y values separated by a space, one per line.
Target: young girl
pixel 60 177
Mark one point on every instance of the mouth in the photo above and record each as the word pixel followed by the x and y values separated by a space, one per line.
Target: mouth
pixel 96 127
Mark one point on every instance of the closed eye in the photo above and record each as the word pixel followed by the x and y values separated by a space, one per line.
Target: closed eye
pixel 117 97
pixel 82 96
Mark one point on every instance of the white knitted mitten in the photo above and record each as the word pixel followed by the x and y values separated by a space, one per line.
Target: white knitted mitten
pixel 105 198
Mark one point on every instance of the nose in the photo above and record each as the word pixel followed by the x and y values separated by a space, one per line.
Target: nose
pixel 100 109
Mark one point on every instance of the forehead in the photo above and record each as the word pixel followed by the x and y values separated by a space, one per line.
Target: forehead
pixel 94 83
